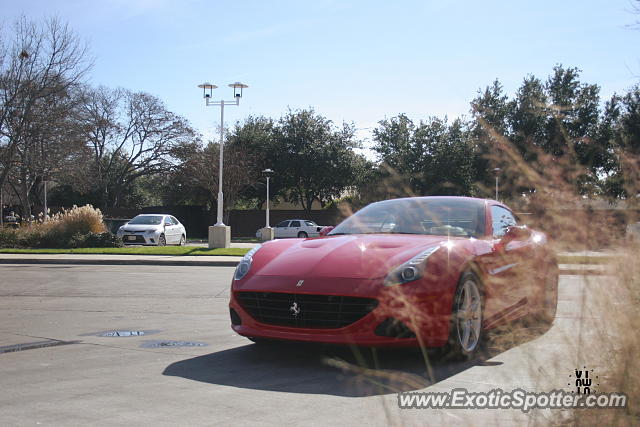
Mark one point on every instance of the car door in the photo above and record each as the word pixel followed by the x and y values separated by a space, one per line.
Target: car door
pixel 178 229
pixel 281 230
pixel 169 230
pixel 294 228
pixel 503 266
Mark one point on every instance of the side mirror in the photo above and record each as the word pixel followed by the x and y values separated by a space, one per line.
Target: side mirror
pixel 167 224
pixel 325 230
pixel 517 232
pixel 513 232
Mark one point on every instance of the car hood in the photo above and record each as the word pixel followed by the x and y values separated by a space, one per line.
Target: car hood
pixel 140 227
pixel 351 256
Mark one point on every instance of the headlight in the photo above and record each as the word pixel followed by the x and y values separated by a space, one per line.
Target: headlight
pixel 245 264
pixel 410 270
pixel 153 230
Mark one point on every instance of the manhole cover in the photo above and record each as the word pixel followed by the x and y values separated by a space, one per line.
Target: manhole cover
pixel 170 343
pixel 121 333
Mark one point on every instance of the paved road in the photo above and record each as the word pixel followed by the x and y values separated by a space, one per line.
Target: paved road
pixel 137 380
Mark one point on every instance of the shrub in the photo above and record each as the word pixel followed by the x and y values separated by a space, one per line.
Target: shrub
pixel 8 238
pixel 95 240
pixel 76 227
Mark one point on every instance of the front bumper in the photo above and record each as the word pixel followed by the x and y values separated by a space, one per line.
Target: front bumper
pixel 138 238
pixel 423 307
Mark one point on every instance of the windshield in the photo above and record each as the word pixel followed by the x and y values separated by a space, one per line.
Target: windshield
pixel 146 220
pixel 432 216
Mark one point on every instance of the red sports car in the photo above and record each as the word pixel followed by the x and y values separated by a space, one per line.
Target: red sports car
pixel 421 271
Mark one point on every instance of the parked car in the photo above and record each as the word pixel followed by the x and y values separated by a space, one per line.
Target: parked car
pixel 153 229
pixel 432 271
pixel 295 228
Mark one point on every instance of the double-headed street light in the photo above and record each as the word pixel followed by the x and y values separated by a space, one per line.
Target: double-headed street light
pixel 220 234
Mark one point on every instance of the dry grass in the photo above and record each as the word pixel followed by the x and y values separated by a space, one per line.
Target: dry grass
pixel 603 329
pixel 58 231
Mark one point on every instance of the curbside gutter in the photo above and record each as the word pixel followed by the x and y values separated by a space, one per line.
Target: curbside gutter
pixel 80 261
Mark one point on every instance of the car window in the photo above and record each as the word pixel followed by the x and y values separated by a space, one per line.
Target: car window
pixel 311 223
pixel 175 221
pixel 283 224
pixel 295 223
pixel 146 220
pixel 501 218
pixel 431 216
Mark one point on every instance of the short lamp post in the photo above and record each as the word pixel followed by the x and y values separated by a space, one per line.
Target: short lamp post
pixel 267 173
pixel 267 232
pixel 496 172
pixel 220 234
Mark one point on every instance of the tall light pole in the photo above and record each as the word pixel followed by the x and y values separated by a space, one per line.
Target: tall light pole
pixel 220 234
pixel 496 172
pixel 267 173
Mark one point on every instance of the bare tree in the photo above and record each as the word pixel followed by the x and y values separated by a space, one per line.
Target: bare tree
pixel 39 68
pixel 130 135
pixel 197 172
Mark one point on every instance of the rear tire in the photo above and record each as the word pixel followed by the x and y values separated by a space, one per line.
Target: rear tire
pixel 466 336
pixel 182 241
pixel 303 235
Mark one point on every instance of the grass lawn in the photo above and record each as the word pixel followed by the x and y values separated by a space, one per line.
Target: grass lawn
pixel 139 250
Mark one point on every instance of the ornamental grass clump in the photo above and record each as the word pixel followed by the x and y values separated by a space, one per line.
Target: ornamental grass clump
pixel 70 228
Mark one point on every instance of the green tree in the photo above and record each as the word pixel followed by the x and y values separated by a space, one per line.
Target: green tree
pixel 431 158
pixel 315 158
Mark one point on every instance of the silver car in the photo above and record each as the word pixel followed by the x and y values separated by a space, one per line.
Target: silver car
pixel 153 229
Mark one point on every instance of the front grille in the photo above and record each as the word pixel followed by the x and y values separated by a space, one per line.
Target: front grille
pixel 126 239
pixel 305 311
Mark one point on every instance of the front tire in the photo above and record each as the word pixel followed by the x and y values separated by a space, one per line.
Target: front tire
pixel 162 241
pixel 466 337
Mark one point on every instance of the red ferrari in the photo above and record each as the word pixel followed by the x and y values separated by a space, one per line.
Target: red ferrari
pixel 421 271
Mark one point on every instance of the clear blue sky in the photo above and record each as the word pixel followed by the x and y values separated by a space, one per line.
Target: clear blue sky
pixel 357 61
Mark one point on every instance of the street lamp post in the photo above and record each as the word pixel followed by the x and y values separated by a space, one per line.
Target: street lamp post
pixel 496 172
pixel 267 231
pixel 220 234
pixel 268 173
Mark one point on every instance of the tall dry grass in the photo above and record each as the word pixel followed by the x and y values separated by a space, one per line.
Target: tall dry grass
pixel 601 328
pixel 61 230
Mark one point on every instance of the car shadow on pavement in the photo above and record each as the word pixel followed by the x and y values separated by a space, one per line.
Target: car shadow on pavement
pixel 331 370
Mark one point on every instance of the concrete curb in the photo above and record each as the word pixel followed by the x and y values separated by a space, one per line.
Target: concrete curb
pixel 106 261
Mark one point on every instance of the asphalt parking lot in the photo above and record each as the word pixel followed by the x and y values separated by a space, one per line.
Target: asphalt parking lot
pixel 189 368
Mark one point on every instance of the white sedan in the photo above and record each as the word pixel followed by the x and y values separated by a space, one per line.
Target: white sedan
pixel 153 229
pixel 295 228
